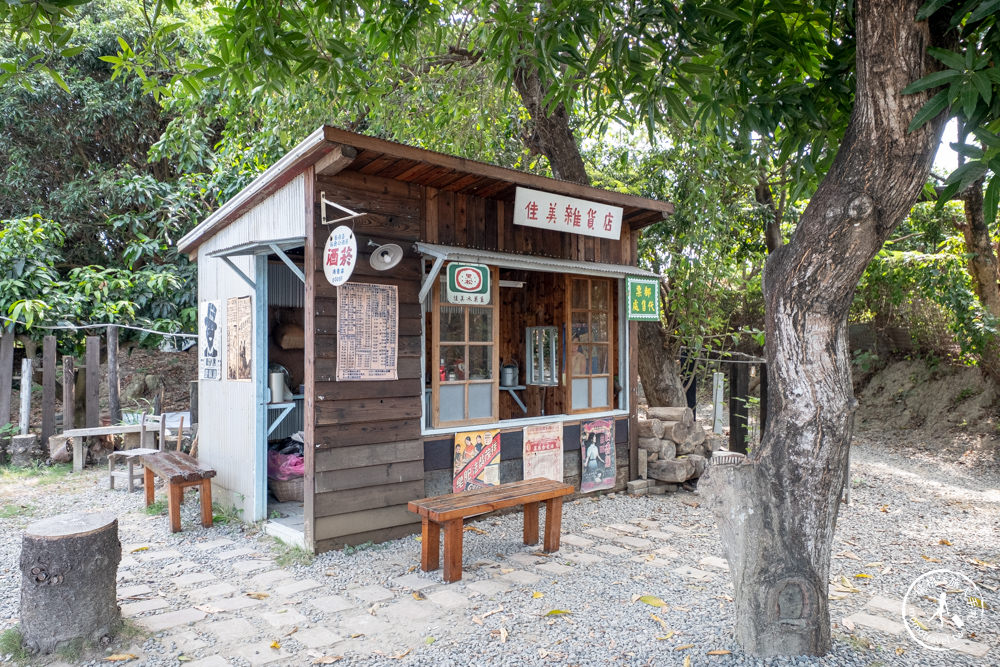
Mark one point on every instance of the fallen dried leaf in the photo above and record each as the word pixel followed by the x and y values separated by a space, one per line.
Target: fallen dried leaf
pixel 331 573
pixel 900 650
pixel 139 549
pixel 475 529
pixel 412 568
pixel 849 624
pixel 327 659
pixel 537 595
pixel 419 538
pixel 944 542
pixel 291 632
pixel 884 508
pixel 557 612
pixel 208 609
pixel 918 623
pixel 417 595
pixel 495 611
pixel 718 651
pixel 687 661
pixel 667 636
pixel 430 640
pixel 357 634
pixel 184 658
pixel 876 563
pixel 834 596
pixel 636 597
pixel 275 645
pixel 257 596
pixel 477 620
pixel 862 575
pixel 503 635
pixel 691 503
pixel 886 570
pixel 402 655
pixel 848 554
pixel 683 647
pixel 120 657
pixel 928 558
pixel 660 621
pixel 506 570
pixel 652 601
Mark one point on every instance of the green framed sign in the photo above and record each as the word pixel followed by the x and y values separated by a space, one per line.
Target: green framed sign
pixel 468 284
pixel 643 299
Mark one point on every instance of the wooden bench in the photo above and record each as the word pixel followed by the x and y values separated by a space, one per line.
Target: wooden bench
pixel 178 471
pixel 452 509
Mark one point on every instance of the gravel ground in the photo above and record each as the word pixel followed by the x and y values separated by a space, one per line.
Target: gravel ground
pixel 909 515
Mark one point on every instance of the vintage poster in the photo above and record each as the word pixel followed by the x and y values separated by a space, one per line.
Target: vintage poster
pixel 209 356
pixel 239 350
pixel 597 451
pixel 543 451
pixel 477 460
pixel 367 331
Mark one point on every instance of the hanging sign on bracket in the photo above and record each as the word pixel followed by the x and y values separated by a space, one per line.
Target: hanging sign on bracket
pixel 339 255
pixel 468 284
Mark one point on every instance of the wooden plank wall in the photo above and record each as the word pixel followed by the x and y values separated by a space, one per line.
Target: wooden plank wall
pixel 368 455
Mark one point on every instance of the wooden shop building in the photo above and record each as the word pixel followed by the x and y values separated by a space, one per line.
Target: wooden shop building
pixel 540 332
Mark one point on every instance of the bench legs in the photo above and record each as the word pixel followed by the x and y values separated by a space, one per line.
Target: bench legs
pixel 206 502
pixel 175 494
pixel 553 524
pixel 430 545
pixel 453 550
pixel 531 523
pixel 147 485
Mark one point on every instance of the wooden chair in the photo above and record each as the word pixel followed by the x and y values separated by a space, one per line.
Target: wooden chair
pixel 152 427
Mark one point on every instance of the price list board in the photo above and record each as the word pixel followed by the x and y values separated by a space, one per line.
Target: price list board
pixel 367 332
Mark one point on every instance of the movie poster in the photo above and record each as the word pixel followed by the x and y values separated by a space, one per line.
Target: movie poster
pixel 543 451
pixel 239 322
pixel 477 460
pixel 597 443
pixel 209 355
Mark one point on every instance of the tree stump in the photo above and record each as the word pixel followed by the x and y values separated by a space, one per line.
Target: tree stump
pixel 24 450
pixel 69 565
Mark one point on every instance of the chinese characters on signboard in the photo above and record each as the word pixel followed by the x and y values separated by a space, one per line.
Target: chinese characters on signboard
pixel 367 331
pixel 597 443
pixel 477 460
pixel 239 353
pixel 534 208
pixel 339 255
pixel 543 451
pixel 643 299
pixel 468 284
pixel 209 355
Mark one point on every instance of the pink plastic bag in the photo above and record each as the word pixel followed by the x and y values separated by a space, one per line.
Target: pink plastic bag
pixel 284 466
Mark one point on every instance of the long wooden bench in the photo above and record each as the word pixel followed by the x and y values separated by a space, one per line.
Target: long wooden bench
pixel 178 471
pixel 451 510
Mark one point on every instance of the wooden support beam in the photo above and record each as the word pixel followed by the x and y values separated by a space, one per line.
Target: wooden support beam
pixel 68 394
pixel 114 388
pixel 93 409
pixel 48 388
pixel 335 161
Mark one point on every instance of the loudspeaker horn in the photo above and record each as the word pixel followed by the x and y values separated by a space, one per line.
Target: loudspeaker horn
pixel 384 257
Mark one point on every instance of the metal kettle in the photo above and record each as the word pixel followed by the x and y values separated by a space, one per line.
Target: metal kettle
pixel 508 375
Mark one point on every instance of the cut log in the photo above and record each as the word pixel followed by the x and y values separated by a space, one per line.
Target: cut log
pixel 69 565
pixel 677 431
pixel 694 443
pixel 671 414
pixel 650 444
pixel 59 449
pixel 674 471
pixel 650 428
pixel 24 450
pixel 668 450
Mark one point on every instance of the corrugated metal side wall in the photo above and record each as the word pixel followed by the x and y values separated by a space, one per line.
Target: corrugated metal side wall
pixel 228 435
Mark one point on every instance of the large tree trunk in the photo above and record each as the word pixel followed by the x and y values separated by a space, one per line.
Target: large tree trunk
pixel 658 368
pixel 777 510
pixel 983 268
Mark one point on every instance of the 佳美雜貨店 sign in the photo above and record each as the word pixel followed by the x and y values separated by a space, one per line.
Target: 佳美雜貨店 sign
pixel 534 208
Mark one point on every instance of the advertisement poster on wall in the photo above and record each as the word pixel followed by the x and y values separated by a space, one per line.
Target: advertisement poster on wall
pixel 209 357
pixel 543 451
pixel 238 338
pixel 477 460
pixel 597 451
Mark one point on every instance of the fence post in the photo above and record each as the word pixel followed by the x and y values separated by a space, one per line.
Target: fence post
pixel 6 374
pixel 93 414
pixel 69 394
pixel 718 396
pixel 114 404
pixel 739 385
pixel 25 394
pixel 48 389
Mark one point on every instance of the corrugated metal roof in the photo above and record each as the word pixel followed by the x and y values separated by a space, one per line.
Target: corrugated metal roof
pixel 530 262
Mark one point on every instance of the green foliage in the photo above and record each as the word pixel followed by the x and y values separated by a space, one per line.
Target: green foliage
pixel 156 508
pixel 12 644
pixel 224 514
pixel 44 474
pixel 286 555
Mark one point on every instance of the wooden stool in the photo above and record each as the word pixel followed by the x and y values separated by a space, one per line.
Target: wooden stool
pixel 178 471
pixel 130 456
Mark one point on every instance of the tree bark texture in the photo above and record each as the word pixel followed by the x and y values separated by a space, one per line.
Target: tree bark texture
pixel 661 380
pixel 777 511
pixel 983 268
pixel 69 564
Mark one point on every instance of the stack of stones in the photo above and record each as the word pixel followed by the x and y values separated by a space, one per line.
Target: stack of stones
pixel 673 448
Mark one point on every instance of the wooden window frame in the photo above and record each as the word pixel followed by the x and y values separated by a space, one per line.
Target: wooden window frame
pixel 612 331
pixel 436 382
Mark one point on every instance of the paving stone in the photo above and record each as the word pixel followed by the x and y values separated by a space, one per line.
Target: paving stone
pixel 576 541
pixel 634 542
pixel 188 580
pixel 625 528
pixel 648 524
pixel 132 591
pixel 601 533
pixel 716 562
pixel 265 579
pixel 371 594
pixel 659 535
pixel 157 554
pixel 363 624
pixel 229 554
pixel 246 566
pixel 214 544
pixel 230 630
pixel 141 607
pixel 331 603
pixel 962 645
pixel 171 619
pixel 583 558
pixel 283 617
pixel 261 653
pixel 672 529
pixel 411 613
pixel 293 587
pixel 521 578
pixel 489 587
pixel 554 568
pixel 178 568
pixel 413 582
pixel 877 623
pixel 213 591
pixel 652 562
pixel 210 661
pixel 892 606
pixel 611 549
pixel 234 603
pixel 692 573
pixel 667 552
pixel 317 637
pixel 448 599
pixel 525 559
pixel 127 562
pixel 185 640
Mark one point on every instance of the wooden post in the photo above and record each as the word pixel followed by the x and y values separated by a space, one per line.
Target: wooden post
pixel 553 524
pixel 193 397
pixel 48 389
pixel 93 416
pixel 430 545
pixel 69 393
pixel 114 405
pixel 718 396
pixel 739 386
pixel 25 395
pixel 6 374
pixel 530 523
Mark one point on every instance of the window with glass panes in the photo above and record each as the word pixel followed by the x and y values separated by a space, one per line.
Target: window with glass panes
pixel 590 344
pixel 465 381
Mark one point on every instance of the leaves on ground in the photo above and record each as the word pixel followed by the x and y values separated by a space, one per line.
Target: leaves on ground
pixel 932 560
pixel 430 640
pixel 662 623
pixel 557 612
pixel 862 575
pixel 918 623
pixel 417 595
pixel 475 529
pixel 943 542
pixel 120 657
pixel 327 659
pixel 402 655
pixel 537 595
pixel 683 647
pixel 137 549
pixel 848 554
pixel 257 595
pixel 653 601
pixel 718 651
pixel 184 658
pixel 275 644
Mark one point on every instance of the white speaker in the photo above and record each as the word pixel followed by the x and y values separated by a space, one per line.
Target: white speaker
pixel 384 257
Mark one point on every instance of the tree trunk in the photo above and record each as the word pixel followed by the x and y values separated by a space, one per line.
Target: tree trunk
pixel 777 510
pixel 983 269
pixel 772 232
pixel 661 380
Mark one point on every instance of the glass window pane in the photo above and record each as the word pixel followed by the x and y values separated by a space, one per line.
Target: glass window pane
pixel 480 400
pixel 579 390
pixel 452 404
pixel 599 295
pixel 480 362
pixel 453 360
pixel 600 327
pixel 452 323
pixel 599 359
pixel 578 360
pixel 580 294
pixel 598 392
pixel 581 328
pixel 481 324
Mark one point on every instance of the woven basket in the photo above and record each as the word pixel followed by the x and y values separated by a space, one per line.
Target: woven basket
pixel 286 490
